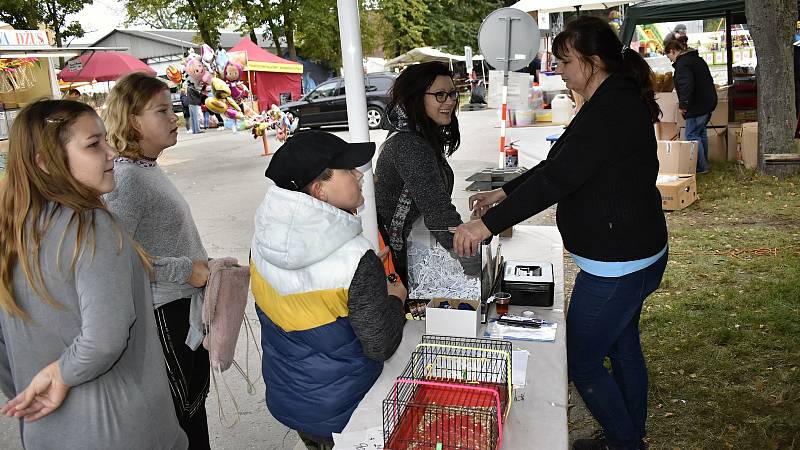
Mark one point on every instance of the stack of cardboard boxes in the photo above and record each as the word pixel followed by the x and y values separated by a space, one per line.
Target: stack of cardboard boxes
pixel 726 141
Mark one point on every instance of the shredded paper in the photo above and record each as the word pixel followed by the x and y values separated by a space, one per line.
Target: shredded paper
pixel 434 273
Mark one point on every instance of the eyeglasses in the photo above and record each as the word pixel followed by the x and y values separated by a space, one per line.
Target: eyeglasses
pixel 442 96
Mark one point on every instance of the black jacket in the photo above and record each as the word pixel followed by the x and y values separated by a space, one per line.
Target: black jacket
pixel 696 92
pixel 602 173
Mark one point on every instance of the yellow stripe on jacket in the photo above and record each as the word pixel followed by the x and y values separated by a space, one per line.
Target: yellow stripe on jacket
pixel 301 311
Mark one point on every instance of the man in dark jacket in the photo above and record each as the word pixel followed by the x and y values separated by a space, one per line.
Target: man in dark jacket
pixel 697 96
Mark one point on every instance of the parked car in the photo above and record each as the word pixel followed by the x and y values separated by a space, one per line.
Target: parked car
pixel 175 96
pixel 326 104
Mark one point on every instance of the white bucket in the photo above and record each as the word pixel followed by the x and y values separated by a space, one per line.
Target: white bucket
pixel 562 109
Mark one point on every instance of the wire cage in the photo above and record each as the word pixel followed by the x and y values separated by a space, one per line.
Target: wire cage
pixel 454 391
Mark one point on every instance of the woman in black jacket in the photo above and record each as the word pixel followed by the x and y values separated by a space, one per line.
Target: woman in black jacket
pixel 602 173
pixel 697 96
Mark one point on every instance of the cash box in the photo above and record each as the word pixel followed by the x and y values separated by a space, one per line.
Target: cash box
pixel 530 283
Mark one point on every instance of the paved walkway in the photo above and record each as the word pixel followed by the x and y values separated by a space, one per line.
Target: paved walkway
pixel 221 174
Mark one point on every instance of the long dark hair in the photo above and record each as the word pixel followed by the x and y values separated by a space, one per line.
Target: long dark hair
pixel 408 93
pixel 592 36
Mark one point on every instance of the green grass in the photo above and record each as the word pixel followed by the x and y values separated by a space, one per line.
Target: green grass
pixel 722 334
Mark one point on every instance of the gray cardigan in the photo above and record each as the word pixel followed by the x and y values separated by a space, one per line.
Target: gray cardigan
pixel 103 334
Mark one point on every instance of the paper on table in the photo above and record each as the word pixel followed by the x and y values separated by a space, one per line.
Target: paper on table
pixel 369 439
pixel 519 367
pixel 545 333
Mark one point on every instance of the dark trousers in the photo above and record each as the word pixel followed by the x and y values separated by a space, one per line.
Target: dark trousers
pixel 187 371
pixel 314 443
pixel 603 320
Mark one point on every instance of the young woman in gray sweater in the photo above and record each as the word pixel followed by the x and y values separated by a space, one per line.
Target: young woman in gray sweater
pixel 79 352
pixel 414 178
pixel 141 125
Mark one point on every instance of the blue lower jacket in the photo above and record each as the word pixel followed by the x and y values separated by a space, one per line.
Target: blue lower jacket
pixel 315 378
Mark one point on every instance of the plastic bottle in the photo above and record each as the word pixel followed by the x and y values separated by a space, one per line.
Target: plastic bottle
pixel 562 109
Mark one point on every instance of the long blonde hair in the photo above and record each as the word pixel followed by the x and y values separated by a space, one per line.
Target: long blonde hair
pixel 128 98
pixel 31 195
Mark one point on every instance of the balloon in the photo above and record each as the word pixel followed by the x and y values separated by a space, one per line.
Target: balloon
pixel 220 88
pixel 207 53
pixel 232 103
pixel 197 72
pixel 222 58
pixel 174 74
pixel 234 114
pixel 233 72
pixel 216 105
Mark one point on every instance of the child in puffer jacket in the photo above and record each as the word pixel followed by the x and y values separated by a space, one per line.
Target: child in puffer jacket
pixel 329 317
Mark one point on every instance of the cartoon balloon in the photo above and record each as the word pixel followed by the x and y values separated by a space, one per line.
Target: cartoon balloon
pixel 174 74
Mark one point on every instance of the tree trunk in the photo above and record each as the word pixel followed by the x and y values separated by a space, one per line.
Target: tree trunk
pixel 772 25
pixel 288 28
pixel 276 37
pixel 253 36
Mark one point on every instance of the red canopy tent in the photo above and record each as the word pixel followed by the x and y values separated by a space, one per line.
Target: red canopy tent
pixel 103 66
pixel 269 75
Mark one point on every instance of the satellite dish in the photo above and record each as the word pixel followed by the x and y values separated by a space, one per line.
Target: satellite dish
pixel 508 39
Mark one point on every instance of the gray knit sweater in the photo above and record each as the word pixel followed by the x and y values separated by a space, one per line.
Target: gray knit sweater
pixel 408 162
pixel 103 335
pixel 152 210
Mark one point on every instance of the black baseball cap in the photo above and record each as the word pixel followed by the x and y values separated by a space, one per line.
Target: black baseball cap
pixel 307 154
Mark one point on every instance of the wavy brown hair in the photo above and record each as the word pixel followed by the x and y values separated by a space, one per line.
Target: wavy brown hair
pixel 128 98
pixel 38 184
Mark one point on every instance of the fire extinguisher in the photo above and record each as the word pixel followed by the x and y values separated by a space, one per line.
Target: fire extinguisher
pixel 512 158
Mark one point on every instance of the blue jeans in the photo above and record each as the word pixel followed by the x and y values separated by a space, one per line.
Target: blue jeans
pixel 696 131
pixel 603 320
pixel 194 111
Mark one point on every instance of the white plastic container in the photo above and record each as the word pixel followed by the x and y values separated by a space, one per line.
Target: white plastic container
pixel 562 109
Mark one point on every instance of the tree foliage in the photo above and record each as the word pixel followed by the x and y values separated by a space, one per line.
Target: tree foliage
pixel 167 14
pixel 28 14
pixel 452 24
pixel 208 15
pixel 406 24
pixel 318 33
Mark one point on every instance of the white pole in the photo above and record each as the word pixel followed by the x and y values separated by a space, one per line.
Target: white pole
pixel 352 66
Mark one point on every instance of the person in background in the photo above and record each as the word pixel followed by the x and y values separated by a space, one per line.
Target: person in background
pixel 186 107
pixel 141 125
pixel 697 95
pixel 329 315
pixel 195 101
pixel 79 354
pixel 73 94
pixel 676 33
pixel 414 178
pixel 610 219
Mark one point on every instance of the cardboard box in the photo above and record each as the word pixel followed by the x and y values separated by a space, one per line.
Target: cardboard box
pixel 454 321
pixel 677 191
pixel 749 146
pixel 666 131
pixel 677 157
pixel 734 139
pixel 719 117
pixel 717 143
pixel 668 102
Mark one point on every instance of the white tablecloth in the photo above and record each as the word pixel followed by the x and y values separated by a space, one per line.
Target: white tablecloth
pixel 538 417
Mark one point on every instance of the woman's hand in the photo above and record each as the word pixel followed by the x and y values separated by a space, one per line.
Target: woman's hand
pixel 199 276
pixel 482 201
pixel 397 289
pixel 44 395
pixel 468 237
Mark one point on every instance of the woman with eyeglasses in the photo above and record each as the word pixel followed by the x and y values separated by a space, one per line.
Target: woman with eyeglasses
pixel 413 177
